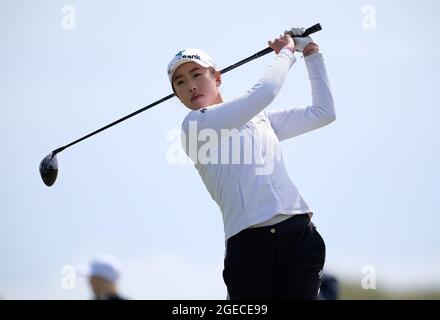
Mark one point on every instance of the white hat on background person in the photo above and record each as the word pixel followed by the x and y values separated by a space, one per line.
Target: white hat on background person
pixel 103 266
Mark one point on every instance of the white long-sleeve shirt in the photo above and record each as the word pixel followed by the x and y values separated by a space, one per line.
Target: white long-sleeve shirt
pixel 247 178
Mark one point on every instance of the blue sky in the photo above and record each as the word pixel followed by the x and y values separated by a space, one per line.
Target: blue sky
pixel 371 177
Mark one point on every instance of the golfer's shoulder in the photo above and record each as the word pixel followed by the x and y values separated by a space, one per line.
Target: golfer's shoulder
pixel 193 116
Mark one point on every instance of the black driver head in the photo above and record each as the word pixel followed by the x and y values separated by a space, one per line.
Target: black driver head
pixel 49 169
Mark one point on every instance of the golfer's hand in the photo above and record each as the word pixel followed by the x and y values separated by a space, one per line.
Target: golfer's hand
pixel 281 42
pixel 301 44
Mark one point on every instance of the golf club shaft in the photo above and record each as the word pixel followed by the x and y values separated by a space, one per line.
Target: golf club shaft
pixel 308 31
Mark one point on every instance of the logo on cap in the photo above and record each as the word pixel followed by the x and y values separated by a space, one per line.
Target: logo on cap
pixel 180 53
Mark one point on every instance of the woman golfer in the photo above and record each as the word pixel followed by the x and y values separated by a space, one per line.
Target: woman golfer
pixel 273 250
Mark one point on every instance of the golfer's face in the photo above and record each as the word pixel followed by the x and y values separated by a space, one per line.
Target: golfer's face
pixel 195 86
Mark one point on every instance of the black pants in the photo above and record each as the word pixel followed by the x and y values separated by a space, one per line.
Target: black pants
pixel 282 261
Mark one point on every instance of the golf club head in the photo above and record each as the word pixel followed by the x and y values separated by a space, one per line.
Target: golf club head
pixel 49 169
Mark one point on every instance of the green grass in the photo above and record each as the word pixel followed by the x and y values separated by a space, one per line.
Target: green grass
pixel 353 291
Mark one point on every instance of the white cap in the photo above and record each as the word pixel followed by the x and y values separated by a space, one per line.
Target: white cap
pixel 103 266
pixel 187 55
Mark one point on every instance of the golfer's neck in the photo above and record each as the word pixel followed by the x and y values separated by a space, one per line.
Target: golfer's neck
pixel 219 99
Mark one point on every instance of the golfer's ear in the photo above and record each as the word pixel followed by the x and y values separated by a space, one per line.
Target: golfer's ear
pixel 218 78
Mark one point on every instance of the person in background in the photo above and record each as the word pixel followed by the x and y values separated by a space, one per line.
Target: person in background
pixel 103 273
pixel 329 288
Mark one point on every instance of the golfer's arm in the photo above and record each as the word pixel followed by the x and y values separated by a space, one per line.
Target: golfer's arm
pixel 237 112
pixel 295 121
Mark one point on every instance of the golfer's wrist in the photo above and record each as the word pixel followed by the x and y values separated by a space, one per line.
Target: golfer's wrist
pixel 287 47
pixel 311 48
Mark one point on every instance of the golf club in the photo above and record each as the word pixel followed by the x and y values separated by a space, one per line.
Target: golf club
pixel 49 165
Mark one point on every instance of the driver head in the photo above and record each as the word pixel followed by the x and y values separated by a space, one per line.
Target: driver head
pixel 49 169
